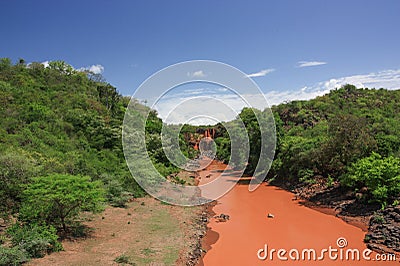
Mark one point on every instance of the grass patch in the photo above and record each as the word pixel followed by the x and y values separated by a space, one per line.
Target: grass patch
pixel 162 232
pixel 148 251
pixel 124 259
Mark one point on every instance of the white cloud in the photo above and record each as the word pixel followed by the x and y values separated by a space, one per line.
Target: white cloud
pixel 45 63
pixel 222 89
pixel 204 103
pixel 203 100
pixel 305 93
pixel 388 79
pixel 197 74
pixel 310 63
pixel 260 73
pixel 95 69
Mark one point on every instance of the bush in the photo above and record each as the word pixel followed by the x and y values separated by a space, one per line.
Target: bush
pixel 16 167
pixel 116 195
pixel 380 175
pixel 124 259
pixel 12 256
pixel 36 240
pixel 306 176
pixel 58 199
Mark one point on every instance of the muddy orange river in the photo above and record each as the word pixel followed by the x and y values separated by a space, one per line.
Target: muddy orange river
pixel 249 237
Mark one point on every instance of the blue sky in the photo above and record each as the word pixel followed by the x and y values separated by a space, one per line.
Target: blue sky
pixel 334 41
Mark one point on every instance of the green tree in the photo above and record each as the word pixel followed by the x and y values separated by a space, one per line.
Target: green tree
pixel 381 175
pixel 249 118
pixel 350 139
pixel 57 199
pixel 16 168
pixel 62 67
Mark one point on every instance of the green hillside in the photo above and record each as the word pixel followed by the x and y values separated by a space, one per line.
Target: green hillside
pixel 335 135
pixel 61 150
pixel 57 120
pixel 349 136
pixel 61 153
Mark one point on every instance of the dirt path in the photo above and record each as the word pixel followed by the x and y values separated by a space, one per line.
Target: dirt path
pixel 148 232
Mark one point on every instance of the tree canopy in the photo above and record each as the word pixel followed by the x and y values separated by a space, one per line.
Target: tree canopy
pixel 58 198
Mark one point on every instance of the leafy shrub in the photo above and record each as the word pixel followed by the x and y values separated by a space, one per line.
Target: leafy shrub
pixel 379 219
pixel 330 181
pixel 58 199
pixel 116 195
pixel 16 167
pixel 36 240
pixel 3 239
pixel 380 175
pixel 124 259
pixel 12 256
pixel 306 176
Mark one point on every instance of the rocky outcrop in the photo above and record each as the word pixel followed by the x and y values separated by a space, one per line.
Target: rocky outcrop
pixel 384 230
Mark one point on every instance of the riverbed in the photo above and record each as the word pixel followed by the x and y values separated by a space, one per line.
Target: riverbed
pixel 250 236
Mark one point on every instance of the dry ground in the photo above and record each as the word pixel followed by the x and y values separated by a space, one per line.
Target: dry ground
pixel 148 232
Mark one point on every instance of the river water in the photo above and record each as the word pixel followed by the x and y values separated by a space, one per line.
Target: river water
pixel 249 236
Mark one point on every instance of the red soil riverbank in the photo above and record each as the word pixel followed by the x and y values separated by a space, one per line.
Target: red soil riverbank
pixel 294 226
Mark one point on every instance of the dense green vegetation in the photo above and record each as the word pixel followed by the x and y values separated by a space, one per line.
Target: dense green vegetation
pixel 381 175
pixel 349 135
pixel 332 135
pixel 58 199
pixel 56 120
pixel 61 151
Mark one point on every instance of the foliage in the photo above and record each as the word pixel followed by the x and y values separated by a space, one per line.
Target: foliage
pixel 69 122
pixel 331 136
pixel 124 259
pixel 349 139
pixel 36 240
pixel 57 120
pixel 115 194
pixel 58 199
pixel 381 175
pixel 329 133
pixel 223 148
pixel 16 167
pixel 13 256
pixel 306 175
pixel 249 118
